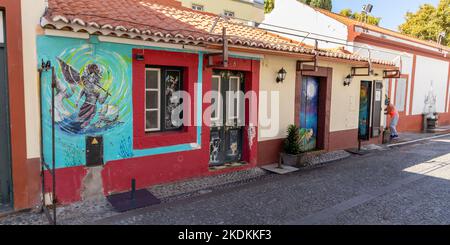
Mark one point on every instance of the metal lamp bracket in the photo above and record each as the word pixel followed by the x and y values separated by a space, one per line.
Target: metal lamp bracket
pixel 224 54
pixel 313 61
pixel 369 69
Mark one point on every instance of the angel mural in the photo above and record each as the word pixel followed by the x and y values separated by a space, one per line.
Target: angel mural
pixel 92 114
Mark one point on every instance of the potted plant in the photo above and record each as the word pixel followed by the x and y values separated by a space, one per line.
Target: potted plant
pixel 292 146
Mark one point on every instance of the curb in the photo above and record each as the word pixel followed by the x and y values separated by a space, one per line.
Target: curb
pixel 419 140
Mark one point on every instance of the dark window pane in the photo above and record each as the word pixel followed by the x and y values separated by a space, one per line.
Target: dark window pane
pixel 172 81
pixel 152 120
pixel 233 100
pixel 215 86
pixel 234 83
pixel 151 99
pixel 152 78
pixel 213 114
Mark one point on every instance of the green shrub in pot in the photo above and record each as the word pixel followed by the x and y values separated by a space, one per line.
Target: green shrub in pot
pixel 292 146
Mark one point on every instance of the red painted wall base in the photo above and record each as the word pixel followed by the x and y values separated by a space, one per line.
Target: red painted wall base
pixel 414 123
pixel 116 176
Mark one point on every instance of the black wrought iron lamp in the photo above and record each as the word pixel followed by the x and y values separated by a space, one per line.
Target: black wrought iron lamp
pixel 348 80
pixel 281 75
pixel 140 57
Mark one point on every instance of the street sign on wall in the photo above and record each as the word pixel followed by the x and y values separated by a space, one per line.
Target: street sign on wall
pixel 2 29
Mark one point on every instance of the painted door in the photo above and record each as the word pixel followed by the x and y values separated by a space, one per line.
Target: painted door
pixel 309 113
pixel 5 157
pixel 377 108
pixel 364 110
pixel 226 120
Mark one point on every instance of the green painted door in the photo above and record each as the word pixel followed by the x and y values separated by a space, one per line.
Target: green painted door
pixel 227 122
pixel 5 156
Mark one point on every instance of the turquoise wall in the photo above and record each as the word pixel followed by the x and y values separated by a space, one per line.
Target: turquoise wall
pixel 108 116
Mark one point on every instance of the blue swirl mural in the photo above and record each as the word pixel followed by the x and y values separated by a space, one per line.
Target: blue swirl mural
pixel 92 97
pixel 90 92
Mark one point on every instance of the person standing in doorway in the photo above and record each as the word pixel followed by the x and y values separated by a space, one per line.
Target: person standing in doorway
pixel 393 113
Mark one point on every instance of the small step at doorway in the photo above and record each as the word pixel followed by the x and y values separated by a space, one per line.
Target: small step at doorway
pixel 227 166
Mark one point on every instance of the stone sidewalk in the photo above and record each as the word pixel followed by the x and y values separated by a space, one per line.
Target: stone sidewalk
pixel 95 209
pixel 408 138
pixel 98 208
pixel 403 185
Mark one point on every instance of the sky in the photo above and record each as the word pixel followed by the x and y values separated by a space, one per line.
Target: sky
pixel 392 12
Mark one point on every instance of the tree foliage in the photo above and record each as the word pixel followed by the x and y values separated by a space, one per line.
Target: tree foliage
pixel 323 4
pixel 360 16
pixel 428 22
pixel 268 6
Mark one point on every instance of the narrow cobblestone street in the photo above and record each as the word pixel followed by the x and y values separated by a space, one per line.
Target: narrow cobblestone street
pixel 407 184
pixel 404 185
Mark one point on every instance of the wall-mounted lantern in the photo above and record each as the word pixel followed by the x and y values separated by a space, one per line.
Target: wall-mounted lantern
pixel 140 57
pixel 281 75
pixel 348 80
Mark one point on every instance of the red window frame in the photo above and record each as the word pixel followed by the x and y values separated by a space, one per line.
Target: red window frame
pixel 189 61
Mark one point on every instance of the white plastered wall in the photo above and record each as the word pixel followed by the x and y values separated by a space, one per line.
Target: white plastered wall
pixel 32 10
pixel 270 66
pixel 430 71
pixel 344 99
pixel 406 63
pixel 298 16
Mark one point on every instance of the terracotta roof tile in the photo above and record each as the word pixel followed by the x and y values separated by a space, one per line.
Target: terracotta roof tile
pixel 166 20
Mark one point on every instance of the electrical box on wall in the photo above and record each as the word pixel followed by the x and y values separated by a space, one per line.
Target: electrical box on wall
pixel 94 151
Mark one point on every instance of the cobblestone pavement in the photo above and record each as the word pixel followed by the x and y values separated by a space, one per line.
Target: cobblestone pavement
pixel 91 210
pixel 403 185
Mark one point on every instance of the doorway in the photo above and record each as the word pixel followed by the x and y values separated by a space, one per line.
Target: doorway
pixel 227 124
pixel 313 107
pixel 5 152
pixel 309 113
pixel 364 110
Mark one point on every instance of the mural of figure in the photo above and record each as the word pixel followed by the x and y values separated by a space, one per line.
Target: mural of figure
pixel 214 150
pixel 172 101
pixel 62 92
pixel 307 139
pixel 89 82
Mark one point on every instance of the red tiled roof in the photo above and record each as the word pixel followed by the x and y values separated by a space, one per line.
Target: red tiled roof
pixel 167 21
